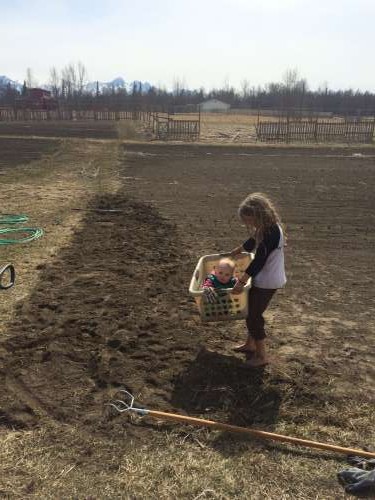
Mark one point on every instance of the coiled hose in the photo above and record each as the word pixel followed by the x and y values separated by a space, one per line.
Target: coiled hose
pixel 13 219
pixel 33 233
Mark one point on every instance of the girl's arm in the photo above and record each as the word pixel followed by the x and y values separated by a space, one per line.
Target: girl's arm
pixel 269 243
pixel 249 245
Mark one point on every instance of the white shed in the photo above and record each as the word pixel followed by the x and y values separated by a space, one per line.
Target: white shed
pixel 213 105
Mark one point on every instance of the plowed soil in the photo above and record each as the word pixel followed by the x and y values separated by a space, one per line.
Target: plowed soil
pixel 93 129
pixel 110 308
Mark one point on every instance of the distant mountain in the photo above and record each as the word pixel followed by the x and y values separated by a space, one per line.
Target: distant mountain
pixel 5 81
pixel 115 84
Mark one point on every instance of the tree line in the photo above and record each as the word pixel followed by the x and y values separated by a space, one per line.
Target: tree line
pixel 69 87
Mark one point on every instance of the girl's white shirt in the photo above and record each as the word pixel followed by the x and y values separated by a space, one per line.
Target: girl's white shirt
pixel 272 275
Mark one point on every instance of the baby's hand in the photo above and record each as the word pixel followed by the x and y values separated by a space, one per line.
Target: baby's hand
pixel 209 295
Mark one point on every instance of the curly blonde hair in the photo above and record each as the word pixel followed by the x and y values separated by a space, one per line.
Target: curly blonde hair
pixel 259 206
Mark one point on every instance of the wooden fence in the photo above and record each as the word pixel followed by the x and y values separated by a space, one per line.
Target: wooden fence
pixel 56 115
pixel 171 127
pixel 165 126
pixel 315 131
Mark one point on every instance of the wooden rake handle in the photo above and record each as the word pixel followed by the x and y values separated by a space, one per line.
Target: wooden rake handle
pixel 258 434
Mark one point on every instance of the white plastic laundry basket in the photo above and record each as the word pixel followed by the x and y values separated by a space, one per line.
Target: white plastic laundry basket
pixel 228 306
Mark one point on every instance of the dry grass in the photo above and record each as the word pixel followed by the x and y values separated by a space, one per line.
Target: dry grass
pixel 228 119
pixel 60 462
pixel 227 127
pixel 128 130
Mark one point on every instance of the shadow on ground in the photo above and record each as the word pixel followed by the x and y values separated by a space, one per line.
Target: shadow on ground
pixel 217 383
pixel 107 312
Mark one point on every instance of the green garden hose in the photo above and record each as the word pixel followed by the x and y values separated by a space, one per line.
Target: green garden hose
pixel 13 219
pixel 33 233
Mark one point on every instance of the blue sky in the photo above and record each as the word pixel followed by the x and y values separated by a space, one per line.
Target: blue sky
pixel 207 43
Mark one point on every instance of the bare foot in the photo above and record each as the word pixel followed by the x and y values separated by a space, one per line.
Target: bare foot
pixel 249 354
pixel 256 362
pixel 243 348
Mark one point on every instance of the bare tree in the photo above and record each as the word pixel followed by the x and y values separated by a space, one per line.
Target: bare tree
pixel 178 86
pixel 72 71
pixel 66 84
pixel 323 88
pixel 69 77
pixel 226 87
pixel 54 80
pixel 82 77
pixel 245 86
pixel 30 80
pixel 290 79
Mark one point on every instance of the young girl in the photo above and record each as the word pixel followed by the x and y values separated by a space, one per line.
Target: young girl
pixel 266 270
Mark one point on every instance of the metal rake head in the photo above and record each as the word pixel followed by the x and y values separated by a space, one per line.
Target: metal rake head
pixel 122 405
pixel 127 404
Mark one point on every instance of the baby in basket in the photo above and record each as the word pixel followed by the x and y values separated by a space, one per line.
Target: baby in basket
pixel 220 278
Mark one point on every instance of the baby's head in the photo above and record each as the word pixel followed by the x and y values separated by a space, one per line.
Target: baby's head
pixel 224 270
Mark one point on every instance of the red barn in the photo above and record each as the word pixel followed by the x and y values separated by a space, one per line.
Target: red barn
pixel 37 99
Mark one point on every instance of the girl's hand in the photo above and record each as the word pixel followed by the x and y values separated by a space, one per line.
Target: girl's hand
pixel 238 288
pixel 235 252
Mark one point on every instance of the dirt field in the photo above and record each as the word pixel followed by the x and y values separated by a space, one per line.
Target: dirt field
pixel 101 303
pixel 92 129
